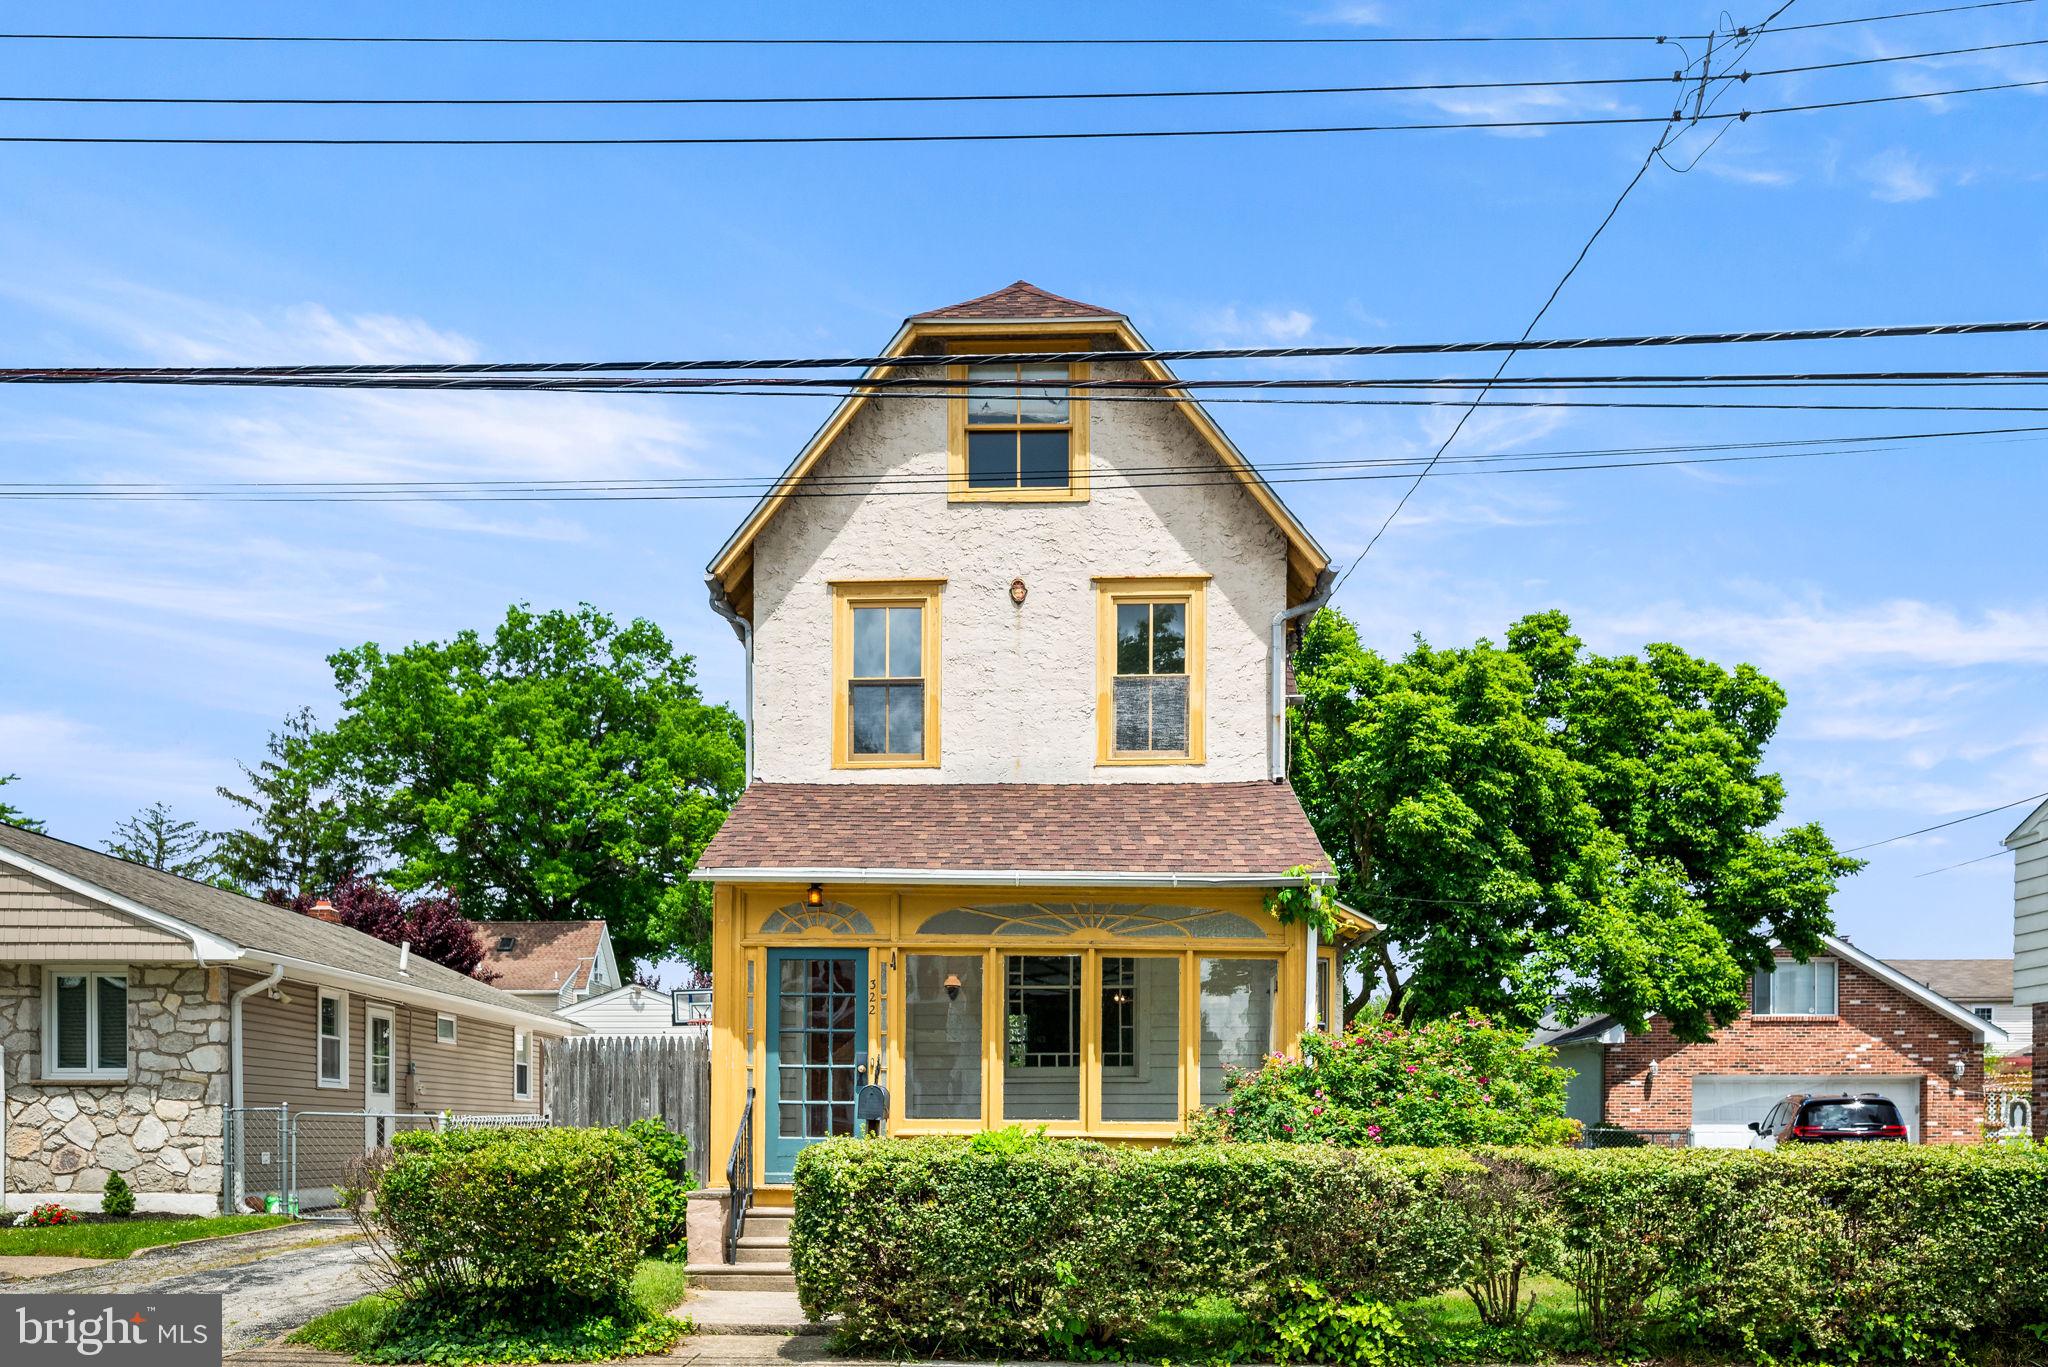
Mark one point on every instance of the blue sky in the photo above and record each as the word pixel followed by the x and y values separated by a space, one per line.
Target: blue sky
pixel 1899 597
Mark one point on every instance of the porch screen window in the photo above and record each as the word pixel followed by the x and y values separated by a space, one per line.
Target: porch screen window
pixel 1140 1038
pixel 1151 686
pixel 333 1027
pixel 886 691
pixel 1238 997
pixel 1796 989
pixel 1042 1039
pixel 942 1040
pixel 1019 427
pixel 87 1024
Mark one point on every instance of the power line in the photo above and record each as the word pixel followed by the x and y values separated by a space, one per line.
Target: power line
pixel 1071 135
pixel 612 101
pixel 1318 40
pixel 1877 332
pixel 1963 865
pixel 1944 825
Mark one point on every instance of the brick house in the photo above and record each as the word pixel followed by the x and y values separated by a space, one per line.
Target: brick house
pixel 1842 1022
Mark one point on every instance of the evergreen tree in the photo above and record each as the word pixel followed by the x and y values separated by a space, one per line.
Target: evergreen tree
pixel 155 838
pixel 298 842
pixel 11 815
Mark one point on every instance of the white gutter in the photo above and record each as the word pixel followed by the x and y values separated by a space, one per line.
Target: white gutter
pixel 369 984
pixel 1276 683
pixel 235 1030
pixel 721 603
pixel 1005 878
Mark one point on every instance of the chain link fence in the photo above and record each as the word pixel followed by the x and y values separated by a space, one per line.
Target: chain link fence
pixel 256 1159
pixel 291 1162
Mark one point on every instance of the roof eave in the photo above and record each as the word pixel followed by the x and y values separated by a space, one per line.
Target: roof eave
pixel 370 984
pixel 1004 878
pixel 207 947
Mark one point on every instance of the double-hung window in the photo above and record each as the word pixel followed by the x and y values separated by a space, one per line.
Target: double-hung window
pixel 885 667
pixel 1019 431
pixel 331 1023
pixel 1796 989
pixel 85 1023
pixel 1149 671
pixel 522 1065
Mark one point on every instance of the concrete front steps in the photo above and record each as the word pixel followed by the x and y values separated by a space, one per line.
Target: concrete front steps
pixel 763 1258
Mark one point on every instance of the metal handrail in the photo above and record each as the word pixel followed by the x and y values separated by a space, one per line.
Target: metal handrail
pixel 739 1180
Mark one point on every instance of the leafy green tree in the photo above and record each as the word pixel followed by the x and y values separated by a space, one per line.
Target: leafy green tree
pixel 156 838
pixel 1545 830
pixel 300 843
pixel 564 768
pixel 11 815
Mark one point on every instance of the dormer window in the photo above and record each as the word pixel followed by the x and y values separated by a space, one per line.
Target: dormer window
pixel 1018 432
pixel 885 666
pixel 1149 671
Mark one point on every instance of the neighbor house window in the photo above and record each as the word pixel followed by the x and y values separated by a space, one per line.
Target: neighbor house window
pixel 85 1024
pixel 1018 431
pixel 444 1029
pixel 1796 989
pixel 1141 1037
pixel 333 1030
pixel 522 1065
pixel 1119 1012
pixel 1983 1013
pixel 885 660
pixel 1149 677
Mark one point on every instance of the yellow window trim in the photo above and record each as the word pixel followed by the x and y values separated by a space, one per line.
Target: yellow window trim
pixel 893 593
pixel 1189 589
pixel 1077 424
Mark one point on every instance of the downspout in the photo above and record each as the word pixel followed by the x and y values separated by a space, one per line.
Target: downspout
pixel 1276 696
pixel 234 1167
pixel 721 603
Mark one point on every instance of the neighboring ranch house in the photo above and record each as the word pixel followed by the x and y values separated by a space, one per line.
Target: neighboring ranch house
pixel 2029 846
pixel 549 963
pixel 136 1007
pixel 634 1009
pixel 1017 773
pixel 1842 1022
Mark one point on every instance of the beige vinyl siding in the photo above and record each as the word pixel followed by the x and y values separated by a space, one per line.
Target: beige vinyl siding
pixel 280 1057
pixel 42 922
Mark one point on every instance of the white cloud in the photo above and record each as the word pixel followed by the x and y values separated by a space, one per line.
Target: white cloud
pixel 51 750
pixel 1896 176
pixel 1269 325
pixel 1357 13
pixel 1726 169
pixel 1805 638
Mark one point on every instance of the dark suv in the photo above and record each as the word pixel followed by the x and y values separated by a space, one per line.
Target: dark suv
pixel 1802 1119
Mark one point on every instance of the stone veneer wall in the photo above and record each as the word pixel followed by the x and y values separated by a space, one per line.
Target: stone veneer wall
pixel 160 1129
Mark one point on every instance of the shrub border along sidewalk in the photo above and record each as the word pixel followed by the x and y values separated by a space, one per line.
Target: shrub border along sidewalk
pixel 1009 1244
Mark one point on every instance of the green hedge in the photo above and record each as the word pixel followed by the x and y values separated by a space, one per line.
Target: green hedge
pixel 536 1222
pixel 1008 1244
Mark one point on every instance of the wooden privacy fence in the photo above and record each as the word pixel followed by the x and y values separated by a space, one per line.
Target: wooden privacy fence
pixel 618 1079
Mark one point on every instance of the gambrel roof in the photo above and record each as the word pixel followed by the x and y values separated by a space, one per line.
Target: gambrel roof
pixel 1020 310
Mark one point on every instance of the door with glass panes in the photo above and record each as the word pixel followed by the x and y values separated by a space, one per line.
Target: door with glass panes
pixel 817 1039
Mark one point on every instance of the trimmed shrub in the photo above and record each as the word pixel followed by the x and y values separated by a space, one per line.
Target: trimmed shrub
pixel 523 1223
pixel 1455 1082
pixel 669 1185
pixel 1019 1245
pixel 115 1197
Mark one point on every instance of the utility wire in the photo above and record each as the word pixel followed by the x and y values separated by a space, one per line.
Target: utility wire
pixel 1319 40
pixel 1649 159
pixel 429 369
pixel 1944 825
pixel 1076 135
pixel 440 102
pixel 1963 865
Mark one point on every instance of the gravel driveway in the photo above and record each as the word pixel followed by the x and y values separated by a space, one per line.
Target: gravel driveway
pixel 269 1282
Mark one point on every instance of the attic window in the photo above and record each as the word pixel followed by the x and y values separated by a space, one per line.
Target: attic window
pixel 1018 432
pixel 506 944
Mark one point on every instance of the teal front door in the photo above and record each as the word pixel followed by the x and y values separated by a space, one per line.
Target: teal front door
pixel 818 1014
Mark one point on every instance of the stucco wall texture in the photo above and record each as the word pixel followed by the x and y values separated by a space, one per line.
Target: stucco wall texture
pixel 1017 688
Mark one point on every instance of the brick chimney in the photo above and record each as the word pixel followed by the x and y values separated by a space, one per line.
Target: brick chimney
pixel 323 910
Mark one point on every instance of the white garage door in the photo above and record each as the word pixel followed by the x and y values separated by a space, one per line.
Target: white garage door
pixel 1722 1107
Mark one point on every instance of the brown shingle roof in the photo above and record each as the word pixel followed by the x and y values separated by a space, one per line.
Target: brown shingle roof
pixel 1021 299
pixel 1961 980
pixel 1171 829
pixel 542 955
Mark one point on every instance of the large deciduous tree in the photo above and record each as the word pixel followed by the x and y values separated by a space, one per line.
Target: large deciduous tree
pixel 1542 830
pixel 563 768
pixel 11 815
pixel 300 843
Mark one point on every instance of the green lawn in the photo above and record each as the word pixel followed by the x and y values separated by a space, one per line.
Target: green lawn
pixel 378 1329
pixel 117 1239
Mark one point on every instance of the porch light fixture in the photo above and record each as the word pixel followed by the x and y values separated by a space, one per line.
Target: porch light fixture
pixel 1017 592
pixel 953 986
pixel 814 895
